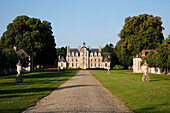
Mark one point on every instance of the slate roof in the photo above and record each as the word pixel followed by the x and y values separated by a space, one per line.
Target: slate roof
pixel 74 50
pixel 106 59
pixel 22 51
pixel 143 53
pixel 62 59
pixel 94 50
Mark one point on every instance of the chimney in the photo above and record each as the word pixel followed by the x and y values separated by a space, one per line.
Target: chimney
pixel 68 49
pixel 15 48
pixel 109 56
pixel 100 49
pixel 79 48
pixel 89 47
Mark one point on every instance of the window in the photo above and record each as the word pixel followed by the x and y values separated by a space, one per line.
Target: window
pixel 105 64
pixel 68 64
pixel 91 60
pixel 95 64
pixel 76 59
pixel 99 59
pixel 76 65
pixel 61 64
pixel 91 64
pixel 95 60
pixel 99 64
pixel 72 64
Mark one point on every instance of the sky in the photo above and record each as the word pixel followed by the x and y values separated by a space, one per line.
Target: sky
pixel 95 22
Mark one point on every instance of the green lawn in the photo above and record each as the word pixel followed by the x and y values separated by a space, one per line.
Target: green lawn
pixel 15 97
pixel 138 96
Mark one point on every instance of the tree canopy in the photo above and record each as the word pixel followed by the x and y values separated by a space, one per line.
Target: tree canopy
pixel 60 52
pixel 32 35
pixel 163 54
pixel 139 32
pixel 110 50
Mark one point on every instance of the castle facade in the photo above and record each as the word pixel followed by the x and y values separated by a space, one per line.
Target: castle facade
pixel 84 58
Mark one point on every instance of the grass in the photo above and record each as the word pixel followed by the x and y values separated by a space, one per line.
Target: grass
pixel 15 97
pixel 138 96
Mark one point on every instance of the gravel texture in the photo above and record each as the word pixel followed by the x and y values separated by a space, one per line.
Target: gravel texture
pixel 80 94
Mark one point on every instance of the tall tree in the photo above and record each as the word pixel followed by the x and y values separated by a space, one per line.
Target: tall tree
pixel 60 52
pixel 138 33
pixel 163 54
pixel 109 49
pixel 32 35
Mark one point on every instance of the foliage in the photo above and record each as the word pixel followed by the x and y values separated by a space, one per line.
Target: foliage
pixel 109 49
pixel 9 58
pixel 138 96
pixel 138 33
pixel 74 68
pixel 24 59
pixel 118 67
pixel 60 52
pixel 163 54
pixel 151 59
pixel 32 35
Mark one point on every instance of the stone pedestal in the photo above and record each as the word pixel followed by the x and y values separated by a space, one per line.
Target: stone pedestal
pixel 19 78
pixel 58 69
pixel 145 77
pixel 108 71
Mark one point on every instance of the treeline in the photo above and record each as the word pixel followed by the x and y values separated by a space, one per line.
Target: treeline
pixel 160 58
pixel 9 59
pixel 32 35
pixel 140 33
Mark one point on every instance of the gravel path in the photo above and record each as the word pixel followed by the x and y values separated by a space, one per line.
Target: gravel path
pixel 80 94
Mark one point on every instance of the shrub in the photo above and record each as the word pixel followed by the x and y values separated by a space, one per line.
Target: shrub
pixel 118 67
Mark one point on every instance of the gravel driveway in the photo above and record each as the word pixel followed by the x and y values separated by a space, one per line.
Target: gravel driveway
pixel 80 94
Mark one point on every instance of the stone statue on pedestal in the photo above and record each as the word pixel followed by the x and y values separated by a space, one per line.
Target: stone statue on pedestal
pixel 108 71
pixel 19 76
pixel 145 70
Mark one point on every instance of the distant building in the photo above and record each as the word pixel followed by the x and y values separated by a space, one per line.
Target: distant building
pixel 137 67
pixel 28 68
pixel 84 58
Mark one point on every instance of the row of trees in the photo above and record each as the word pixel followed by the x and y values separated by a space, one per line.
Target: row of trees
pixel 138 33
pixel 143 32
pixel 160 58
pixel 32 35
pixel 9 59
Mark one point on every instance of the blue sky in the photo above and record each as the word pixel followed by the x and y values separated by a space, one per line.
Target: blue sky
pixel 97 22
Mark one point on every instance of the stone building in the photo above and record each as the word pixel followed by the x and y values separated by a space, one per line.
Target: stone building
pixel 28 68
pixel 137 67
pixel 85 58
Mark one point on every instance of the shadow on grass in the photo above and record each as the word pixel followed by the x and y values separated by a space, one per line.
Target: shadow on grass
pixel 154 80
pixel 10 110
pixel 11 96
pixel 30 82
pixel 28 90
pixel 149 109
